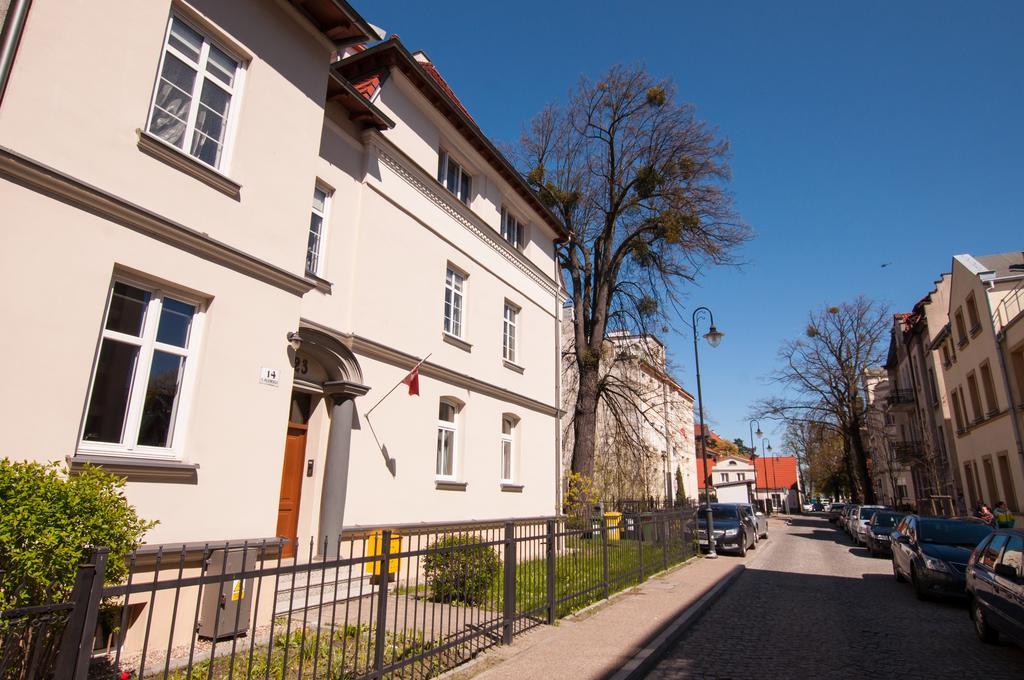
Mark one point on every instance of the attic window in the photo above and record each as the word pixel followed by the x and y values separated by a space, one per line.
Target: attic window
pixel 453 176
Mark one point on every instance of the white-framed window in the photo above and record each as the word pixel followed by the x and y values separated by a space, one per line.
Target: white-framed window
pixel 725 477
pixel 508 444
pixel 447 435
pixel 741 476
pixel 192 100
pixel 454 301
pixel 454 177
pixel 509 335
pixel 317 228
pixel 142 372
pixel 512 230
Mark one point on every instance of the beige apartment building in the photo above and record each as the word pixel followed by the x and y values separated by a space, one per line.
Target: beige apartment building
pixel 890 476
pixel 983 370
pixel 645 422
pixel 226 245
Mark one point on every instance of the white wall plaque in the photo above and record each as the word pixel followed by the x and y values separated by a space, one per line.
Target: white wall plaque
pixel 268 376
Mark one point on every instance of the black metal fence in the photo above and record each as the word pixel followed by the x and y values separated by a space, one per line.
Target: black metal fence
pixel 409 601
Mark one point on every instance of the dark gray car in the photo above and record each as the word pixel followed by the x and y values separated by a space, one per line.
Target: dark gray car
pixel 732 533
pixel 759 520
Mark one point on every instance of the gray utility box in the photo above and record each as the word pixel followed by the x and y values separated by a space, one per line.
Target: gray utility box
pixel 227 604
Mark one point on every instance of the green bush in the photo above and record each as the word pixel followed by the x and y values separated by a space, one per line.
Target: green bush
pixel 49 520
pixel 457 569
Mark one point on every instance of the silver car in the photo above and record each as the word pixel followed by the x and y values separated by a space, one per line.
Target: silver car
pixel 759 520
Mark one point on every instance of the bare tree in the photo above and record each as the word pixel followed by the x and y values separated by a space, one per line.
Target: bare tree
pixel 639 183
pixel 821 373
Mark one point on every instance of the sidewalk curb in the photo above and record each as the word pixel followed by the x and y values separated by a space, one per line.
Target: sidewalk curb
pixel 645 659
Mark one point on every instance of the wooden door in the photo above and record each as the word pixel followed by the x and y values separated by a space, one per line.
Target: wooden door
pixel 291 486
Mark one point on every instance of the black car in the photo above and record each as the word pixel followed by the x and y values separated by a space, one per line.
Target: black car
pixel 835 511
pixel 733 531
pixel 879 528
pixel 933 552
pixel 995 584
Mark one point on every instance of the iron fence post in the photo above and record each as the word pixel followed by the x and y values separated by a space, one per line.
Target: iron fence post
pixel 663 521
pixel 76 643
pixel 382 603
pixel 551 592
pixel 640 545
pixel 604 555
pixel 509 589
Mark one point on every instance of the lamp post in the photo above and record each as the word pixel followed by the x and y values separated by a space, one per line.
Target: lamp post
pixel 753 450
pixel 766 470
pixel 714 337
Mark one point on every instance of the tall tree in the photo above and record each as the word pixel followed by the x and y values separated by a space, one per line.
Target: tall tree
pixel 640 185
pixel 821 373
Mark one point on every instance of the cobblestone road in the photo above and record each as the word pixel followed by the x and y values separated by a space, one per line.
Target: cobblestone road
pixel 811 605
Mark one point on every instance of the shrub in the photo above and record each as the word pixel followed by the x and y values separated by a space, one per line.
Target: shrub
pixel 458 569
pixel 49 520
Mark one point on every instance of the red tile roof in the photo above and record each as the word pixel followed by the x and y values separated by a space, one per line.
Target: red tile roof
pixel 439 79
pixel 773 472
pixel 368 86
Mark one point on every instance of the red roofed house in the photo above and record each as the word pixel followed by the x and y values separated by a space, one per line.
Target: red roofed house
pixel 777 483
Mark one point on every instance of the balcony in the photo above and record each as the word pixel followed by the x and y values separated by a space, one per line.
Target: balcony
pixel 908 453
pixel 902 399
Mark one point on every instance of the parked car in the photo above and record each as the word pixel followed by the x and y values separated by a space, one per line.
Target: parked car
pixel 848 515
pixel 758 518
pixel 933 553
pixel 881 525
pixel 817 506
pixel 731 532
pixel 859 524
pixel 835 511
pixel 995 584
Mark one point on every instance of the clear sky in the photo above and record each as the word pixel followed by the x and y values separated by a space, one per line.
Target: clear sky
pixel 862 133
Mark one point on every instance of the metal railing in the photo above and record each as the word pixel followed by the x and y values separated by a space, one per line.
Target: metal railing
pixel 900 397
pixel 406 602
pixel 1009 307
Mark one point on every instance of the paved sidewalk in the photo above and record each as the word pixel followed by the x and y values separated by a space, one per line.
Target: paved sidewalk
pixel 598 641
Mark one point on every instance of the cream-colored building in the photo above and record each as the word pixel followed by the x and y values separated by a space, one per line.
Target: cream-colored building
pixel 645 422
pixel 222 246
pixel 890 476
pixel 983 372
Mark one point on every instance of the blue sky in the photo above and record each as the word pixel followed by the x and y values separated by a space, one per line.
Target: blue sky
pixel 862 133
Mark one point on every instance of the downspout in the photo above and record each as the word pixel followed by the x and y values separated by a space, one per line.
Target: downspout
pixel 13 28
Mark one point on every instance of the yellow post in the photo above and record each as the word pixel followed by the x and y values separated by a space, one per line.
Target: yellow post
pixel 375 546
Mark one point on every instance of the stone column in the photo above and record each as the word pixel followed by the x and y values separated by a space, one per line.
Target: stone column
pixel 341 396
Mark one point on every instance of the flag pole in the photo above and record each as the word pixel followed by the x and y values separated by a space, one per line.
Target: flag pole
pixel 367 414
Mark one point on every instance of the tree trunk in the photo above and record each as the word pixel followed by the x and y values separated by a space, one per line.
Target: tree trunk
pixel 861 462
pixel 585 424
pixel 851 477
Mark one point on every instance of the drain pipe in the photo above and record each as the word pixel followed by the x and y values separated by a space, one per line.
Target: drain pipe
pixel 14 26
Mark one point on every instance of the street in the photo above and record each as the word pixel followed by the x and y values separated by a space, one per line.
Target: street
pixel 813 605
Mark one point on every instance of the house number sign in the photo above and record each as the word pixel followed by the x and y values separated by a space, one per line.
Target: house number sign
pixel 268 376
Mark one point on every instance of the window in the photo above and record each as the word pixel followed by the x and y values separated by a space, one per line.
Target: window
pixel 972 490
pixel 933 388
pixel 992 550
pixel 991 403
pixel 1009 491
pixel 454 291
pixel 725 477
pixel 741 476
pixel 508 333
pixel 972 314
pixel 947 361
pixel 512 229
pixel 446 439
pixel 192 98
pixel 961 330
pixel 454 177
pixel 508 431
pixel 1013 555
pixel 901 490
pixel 317 220
pixel 972 389
pixel 139 375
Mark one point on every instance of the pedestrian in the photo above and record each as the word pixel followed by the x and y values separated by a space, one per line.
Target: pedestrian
pixel 1003 516
pixel 983 513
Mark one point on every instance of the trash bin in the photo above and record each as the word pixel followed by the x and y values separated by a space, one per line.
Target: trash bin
pixel 613 520
pixel 375 546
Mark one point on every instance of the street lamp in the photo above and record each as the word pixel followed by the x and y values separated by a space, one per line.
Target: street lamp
pixel 753 450
pixel 766 470
pixel 714 338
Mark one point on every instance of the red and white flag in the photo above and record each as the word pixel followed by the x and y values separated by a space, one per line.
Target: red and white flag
pixel 413 381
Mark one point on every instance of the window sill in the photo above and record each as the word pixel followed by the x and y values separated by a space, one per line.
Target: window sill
pixel 178 159
pixel 322 285
pixel 138 469
pixel 512 366
pixel 975 330
pixel 457 342
pixel 510 487
pixel 962 343
pixel 449 485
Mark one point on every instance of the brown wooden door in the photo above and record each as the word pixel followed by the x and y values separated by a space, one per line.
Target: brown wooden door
pixel 291 486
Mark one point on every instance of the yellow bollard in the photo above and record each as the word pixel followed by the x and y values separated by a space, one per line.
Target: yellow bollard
pixel 375 546
pixel 613 520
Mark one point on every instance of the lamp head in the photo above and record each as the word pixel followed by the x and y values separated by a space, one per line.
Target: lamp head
pixel 295 340
pixel 759 433
pixel 769 448
pixel 714 336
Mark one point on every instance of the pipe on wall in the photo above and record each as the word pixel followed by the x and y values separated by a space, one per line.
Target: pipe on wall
pixel 14 26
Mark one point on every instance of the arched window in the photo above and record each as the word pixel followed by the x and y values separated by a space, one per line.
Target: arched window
pixel 447 431
pixel 508 445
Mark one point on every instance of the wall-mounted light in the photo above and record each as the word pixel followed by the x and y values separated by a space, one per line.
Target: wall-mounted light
pixel 295 340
